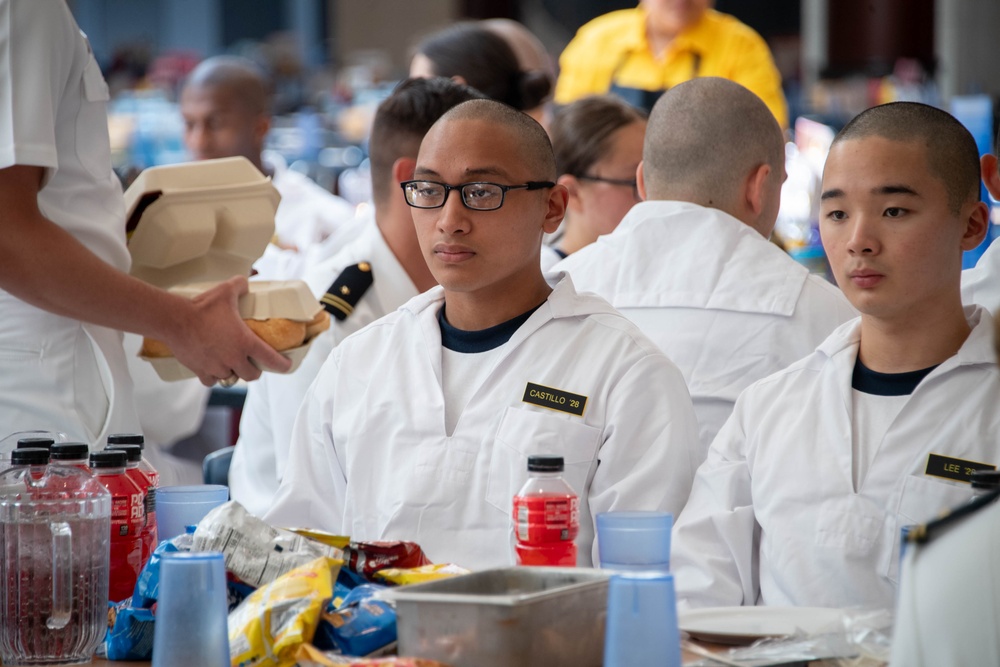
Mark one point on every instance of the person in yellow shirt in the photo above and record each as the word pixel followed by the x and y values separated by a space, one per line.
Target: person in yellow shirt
pixel 639 53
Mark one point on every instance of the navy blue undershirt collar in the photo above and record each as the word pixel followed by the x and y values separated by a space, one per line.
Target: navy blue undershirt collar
pixel 484 340
pixel 872 382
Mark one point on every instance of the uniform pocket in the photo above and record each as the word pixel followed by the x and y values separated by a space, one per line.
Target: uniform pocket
pixel 524 433
pixel 93 148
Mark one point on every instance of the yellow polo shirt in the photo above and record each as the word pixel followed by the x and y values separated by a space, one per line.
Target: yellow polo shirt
pixel 613 49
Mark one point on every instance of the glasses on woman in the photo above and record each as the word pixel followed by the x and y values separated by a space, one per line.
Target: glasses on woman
pixel 479 196
pixel 624 182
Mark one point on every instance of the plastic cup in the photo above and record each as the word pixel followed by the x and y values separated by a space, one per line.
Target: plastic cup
pixel 642 621
pixel 180 506
pixel 629 541
pixel 192 611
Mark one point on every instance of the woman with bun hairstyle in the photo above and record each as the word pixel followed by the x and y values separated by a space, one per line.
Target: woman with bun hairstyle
pixel 598 145
pixel 470 53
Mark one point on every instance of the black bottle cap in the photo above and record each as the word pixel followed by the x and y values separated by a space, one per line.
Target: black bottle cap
pixel 44 443
pixel 545 464
pixel 127 439
pixel 109 458
pixel 69 451
pixel 133 452
pixel 985 479
pixel 29 456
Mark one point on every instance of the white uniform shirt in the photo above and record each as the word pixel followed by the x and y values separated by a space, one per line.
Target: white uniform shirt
pixel 273 401
pixel 981 284
pixel 727 306
pixel 57 373
pixel 774 516
pixel 371 458
pixel 948 613
pixel 307 217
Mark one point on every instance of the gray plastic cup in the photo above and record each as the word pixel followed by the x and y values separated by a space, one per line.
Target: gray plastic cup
pixel 180 506
pixel 642 624
pixel 628 541
pixel 192 611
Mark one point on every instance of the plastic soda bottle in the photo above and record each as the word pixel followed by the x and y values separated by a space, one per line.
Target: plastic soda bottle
pixel 148 534
pixel 76 454
pixel 127 518
pixel 546 515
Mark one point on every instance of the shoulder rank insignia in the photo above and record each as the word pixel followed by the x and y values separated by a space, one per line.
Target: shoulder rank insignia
pixel 347 290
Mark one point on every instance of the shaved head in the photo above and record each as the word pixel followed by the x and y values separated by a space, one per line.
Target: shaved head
pixel 239 77
pixel 531 140
pixel 225 104
pixel 704 138
pixel 951 151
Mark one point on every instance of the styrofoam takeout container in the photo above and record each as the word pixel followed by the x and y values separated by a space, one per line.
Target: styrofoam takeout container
pixel 191 226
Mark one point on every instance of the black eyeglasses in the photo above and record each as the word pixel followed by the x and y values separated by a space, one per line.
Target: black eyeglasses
pixel 614 181
pixel 479 196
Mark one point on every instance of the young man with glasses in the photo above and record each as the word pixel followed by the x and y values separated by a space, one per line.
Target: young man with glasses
pixel 692 266
pixel 419 426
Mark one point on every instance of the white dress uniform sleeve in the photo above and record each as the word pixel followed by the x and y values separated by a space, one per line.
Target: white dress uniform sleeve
pixel 253 475
pixel 314 487
pixel 651 452
pixel 715 540
pixel 36 65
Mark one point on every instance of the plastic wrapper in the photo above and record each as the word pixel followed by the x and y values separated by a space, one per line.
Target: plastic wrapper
pixel 130 632
pixel 865 641
pixel 270 625
pixel 309 656
pixel 147 586
pixel 255 552
pixel 359 626
pixel 418 575
pixel 367 558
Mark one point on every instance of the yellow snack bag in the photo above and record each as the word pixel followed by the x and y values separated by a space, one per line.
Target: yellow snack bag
pixel 323 537
pixel 268 627
pixel 418 575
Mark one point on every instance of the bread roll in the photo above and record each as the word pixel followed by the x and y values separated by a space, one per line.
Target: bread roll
pixel 278 332
pixel 318 325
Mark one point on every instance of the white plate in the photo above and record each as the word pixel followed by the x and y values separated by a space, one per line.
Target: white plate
pixel 742 625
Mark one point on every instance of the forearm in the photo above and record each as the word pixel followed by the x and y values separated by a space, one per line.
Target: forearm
pixel 76 283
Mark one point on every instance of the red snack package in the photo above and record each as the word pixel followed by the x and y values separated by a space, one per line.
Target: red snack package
pixel 367 558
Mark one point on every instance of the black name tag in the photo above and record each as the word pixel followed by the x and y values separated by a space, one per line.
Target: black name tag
pixel 555 399
pixel 956 469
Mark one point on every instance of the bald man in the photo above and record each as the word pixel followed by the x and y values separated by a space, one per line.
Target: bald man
pixel 226 108
pixel 804 492
pixel 692 266
pixel 380 270
pixel 419 426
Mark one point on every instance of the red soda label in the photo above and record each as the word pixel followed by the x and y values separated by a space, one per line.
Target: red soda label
pixel 127 518
pixel 542 519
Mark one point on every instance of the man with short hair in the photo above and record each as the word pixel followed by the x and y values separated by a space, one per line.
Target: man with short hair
pixel 370 277
pixel 982 284
pixel 226 105
pixel 692 266
pixel 419 426
pixel 807 486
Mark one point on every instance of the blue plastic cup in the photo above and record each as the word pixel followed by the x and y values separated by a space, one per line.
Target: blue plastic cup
pixel 630 541
pixel 180 506
pixel 642 621
pixel 192 612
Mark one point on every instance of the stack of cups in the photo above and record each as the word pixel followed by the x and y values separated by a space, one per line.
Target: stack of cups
pixel 192 612
pixel 642 604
